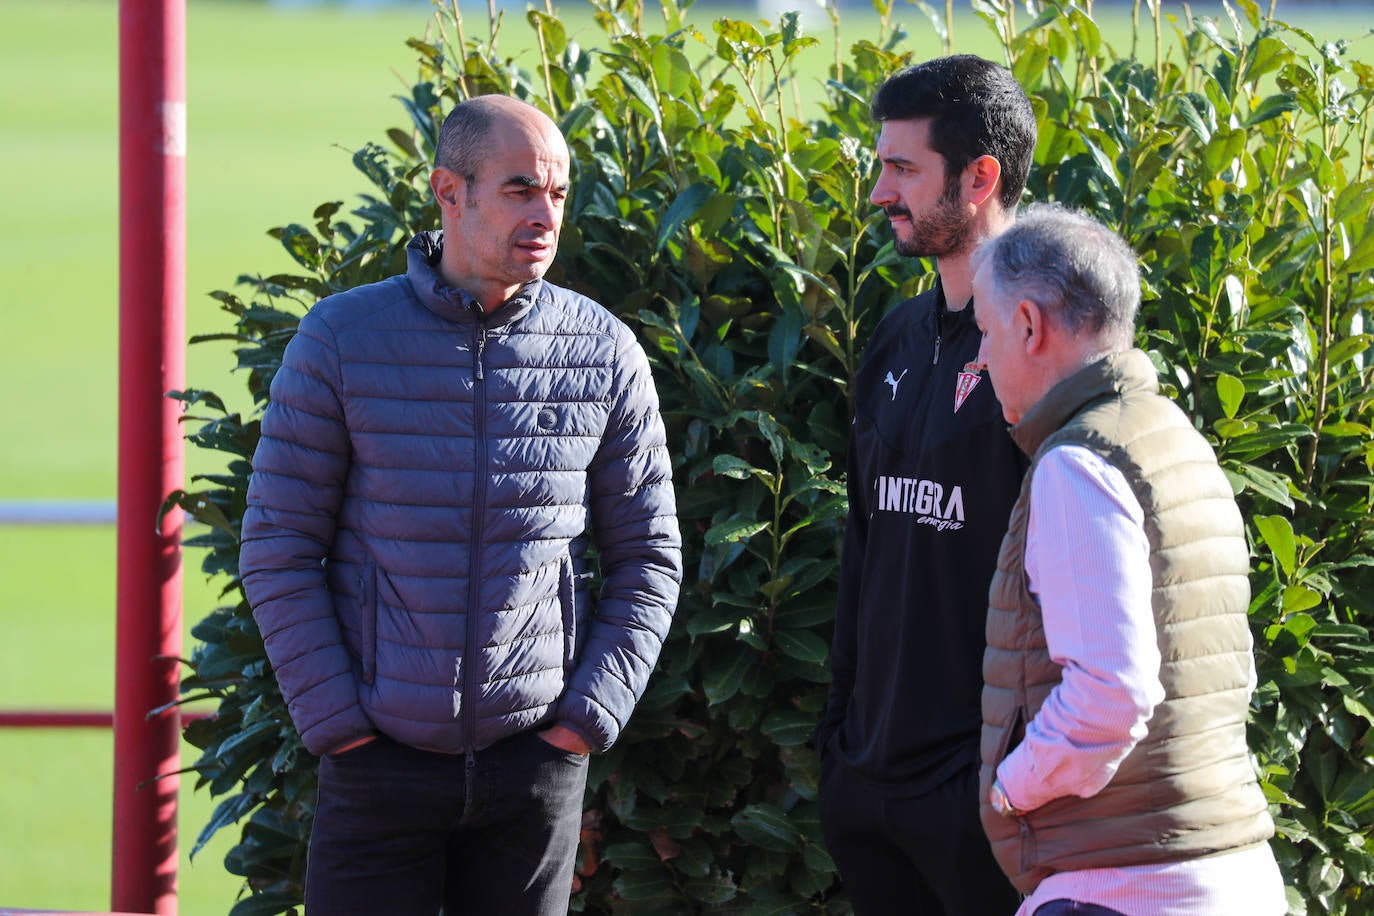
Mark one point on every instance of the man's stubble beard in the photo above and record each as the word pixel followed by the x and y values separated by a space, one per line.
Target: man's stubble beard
pixel 944 232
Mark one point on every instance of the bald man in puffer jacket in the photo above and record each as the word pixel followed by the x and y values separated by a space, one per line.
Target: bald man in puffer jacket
pixel 441 451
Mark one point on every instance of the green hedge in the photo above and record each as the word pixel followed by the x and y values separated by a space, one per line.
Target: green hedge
pixel 733 231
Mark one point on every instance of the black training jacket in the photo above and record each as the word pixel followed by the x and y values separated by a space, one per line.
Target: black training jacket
pixel 932 475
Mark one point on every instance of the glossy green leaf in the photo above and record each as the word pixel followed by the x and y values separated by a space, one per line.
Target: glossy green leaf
pixel 716 620
pixel 632 856
pixel 644 884
pixel 802 645
pixel 766 826
pixel 738 468
pixel 724 673
pixel 734 530
pixel 1267 483
pixel 1231 391
pixel 1277 533
pixel 1299 598
pixel 1348 348
pixel 788 728
pixel 684 207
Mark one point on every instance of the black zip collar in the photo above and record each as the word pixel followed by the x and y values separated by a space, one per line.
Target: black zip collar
pixel 941 312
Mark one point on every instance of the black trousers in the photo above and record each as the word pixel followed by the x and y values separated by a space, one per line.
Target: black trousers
pixel 913 855
pixel 403 832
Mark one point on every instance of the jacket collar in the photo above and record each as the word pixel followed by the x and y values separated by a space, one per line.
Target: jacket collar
pixel 1112 376
pixel 450 303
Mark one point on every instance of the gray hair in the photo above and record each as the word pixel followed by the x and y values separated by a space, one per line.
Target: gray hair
pixel 1082 273
pixel 464 138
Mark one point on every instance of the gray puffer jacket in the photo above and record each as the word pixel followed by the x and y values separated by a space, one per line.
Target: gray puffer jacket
pixel 418 518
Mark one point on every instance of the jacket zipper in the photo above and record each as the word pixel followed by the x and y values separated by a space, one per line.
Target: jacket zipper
pixel 367 591
pixel 469 785
pixel 479 498
pixel 939 322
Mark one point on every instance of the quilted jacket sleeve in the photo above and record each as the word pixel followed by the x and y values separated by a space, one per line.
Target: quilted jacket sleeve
pixel 299 470
pixel 634 525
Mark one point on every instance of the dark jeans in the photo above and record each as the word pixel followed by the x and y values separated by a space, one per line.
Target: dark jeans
pixel 1073 908
pixel 923 855
pixel 403 832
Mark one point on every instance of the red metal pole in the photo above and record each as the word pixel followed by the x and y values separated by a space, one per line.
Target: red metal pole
pixel 152 361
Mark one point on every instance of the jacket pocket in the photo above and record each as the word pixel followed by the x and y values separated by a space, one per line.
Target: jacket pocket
pixel 1011 735
pixel 1029 859
pixel 367 621
pixel 567 603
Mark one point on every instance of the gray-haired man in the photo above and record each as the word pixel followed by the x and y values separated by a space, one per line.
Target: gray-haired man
pixel 1116 777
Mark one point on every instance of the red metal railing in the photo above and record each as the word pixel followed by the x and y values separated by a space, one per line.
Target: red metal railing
pixel 48 718
pixel 71 718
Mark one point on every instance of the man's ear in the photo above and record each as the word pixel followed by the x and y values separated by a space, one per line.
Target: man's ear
pixel 981 179
pixel 448 190
pixel 1034 325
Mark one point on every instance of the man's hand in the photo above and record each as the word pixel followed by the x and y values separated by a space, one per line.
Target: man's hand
pixel 565 739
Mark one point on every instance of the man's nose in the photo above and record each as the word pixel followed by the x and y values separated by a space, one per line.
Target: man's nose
pixel 881 195
pixel 546 213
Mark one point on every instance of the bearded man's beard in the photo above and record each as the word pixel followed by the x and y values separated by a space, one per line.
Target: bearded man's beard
pixel 943 232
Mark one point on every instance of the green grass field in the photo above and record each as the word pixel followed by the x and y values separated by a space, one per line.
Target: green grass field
pixel 276 100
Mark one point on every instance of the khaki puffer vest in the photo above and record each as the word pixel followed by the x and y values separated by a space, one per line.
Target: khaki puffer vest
pixel 1188 789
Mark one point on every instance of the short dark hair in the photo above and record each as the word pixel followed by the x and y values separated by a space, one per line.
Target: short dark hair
pixel 463 140
pixel 976 108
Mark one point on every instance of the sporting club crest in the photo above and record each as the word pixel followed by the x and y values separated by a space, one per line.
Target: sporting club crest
pixel 969 377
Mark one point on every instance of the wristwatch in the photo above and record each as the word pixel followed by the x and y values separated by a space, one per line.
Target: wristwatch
pixel 997 797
